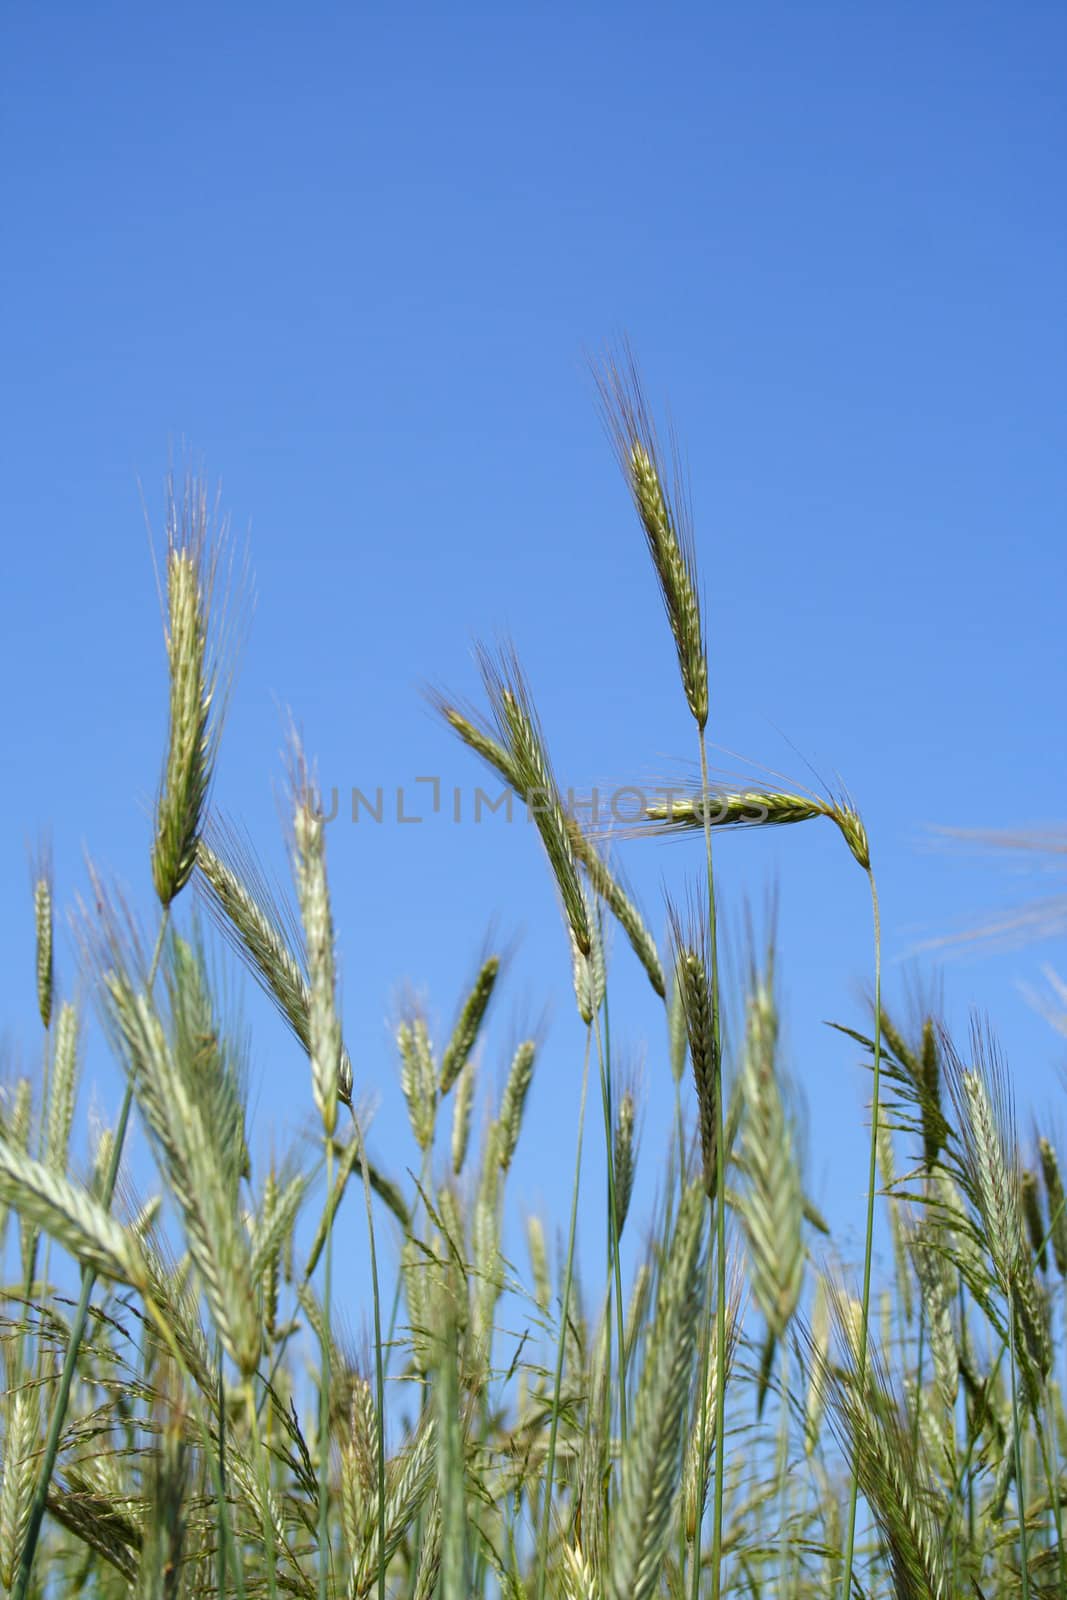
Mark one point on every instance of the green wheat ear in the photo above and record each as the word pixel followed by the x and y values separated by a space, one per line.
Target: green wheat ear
pixel 664 516
pixel 200 620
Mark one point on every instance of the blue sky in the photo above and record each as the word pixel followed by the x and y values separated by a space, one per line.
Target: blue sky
pixel 353 259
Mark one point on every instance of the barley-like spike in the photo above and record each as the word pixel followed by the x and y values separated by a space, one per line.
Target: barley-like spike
pixel 818 1350
pixel 677 1034
pixel 50 1201
pixel 470 1021
pixel 703 1051
pixel 248 917
pixel 624 1159
pixel 62 1088
pixel 893 1476
pixel 409 1479
pixel 535 1244
pixel 418 1078
pixel 520 731
pixel 934 1125
pixel 772 1203
pixel 938 1318
pixel 1056 1203
pixel 195 1150
pixel 664 518
pixel 1035 1222
pixel 651 1461
pixel 589 977
pixel 697 1471
pixel 1033 1345
pixel 736 808
pixel 193 733
pixel 513 1102
pixel 43 920
pixel 461 1115
pixel 988 1153
pixel 19 1473
pixel 324 1028
pixel 621 905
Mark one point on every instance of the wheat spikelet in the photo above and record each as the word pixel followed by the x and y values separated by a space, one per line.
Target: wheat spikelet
pixel 603 883
pixel 1030 1197
pixel 624 1159
pixel 50 1202
pixel 743 808
pixel 485 1241
pixel 692 970
pixel 738 809
pixel 589 976
pixel 461 1115
pixel 620 903
pixel 62 1088
pixel 470 1021
pixel 772 1204
pixel 201 1167
pixel 931 1277
pixel 418 1078
pixel 892 1475
pixel 16 1488
pixel 992 1179
pixel 535 1244
pixel 246 913
pixel 665 520
pixel 43 917
pixel 1057 1205
pixel 700 1449
pixel 513 1102
pixel 409 1478
pixel 818 1377
pixel 191 565
pixel 651 1462
pixel 324 1028
pixel 274 1224
pixel 677 1033
pixel 520 731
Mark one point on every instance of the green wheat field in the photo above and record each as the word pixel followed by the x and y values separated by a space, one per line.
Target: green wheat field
pixel 744 1412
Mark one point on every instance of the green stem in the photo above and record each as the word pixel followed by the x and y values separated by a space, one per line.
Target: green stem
pixel 263 1468
pixel 546 1509
pixel 324 1398
pixel 614 1264
pixel 872 1178
pixel 1020 1480
pixel 720 1198
pixel 379 1365
pixel 77 1329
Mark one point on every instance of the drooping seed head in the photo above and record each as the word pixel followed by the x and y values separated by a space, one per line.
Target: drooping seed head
pixel 665 518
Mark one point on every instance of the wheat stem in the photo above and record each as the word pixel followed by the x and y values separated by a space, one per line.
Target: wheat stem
pixel 872 1178
pixel 568 1274
pixel 77 1327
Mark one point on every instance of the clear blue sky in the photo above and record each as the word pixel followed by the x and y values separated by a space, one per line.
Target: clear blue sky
pixel 354 257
